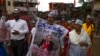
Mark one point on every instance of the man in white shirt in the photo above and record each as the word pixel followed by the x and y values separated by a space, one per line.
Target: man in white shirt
pixel 18 29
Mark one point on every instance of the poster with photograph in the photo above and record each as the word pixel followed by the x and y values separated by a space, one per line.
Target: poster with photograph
pixel 47 39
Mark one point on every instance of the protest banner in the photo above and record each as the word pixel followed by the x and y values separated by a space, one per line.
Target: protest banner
pixel 47 33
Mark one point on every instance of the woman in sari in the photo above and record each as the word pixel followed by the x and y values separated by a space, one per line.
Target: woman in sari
pixel 79 40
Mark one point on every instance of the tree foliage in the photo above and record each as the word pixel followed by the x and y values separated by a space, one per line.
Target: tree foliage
pixel 84 7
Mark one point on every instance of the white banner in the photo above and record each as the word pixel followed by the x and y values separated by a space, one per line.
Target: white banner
pixel 48 39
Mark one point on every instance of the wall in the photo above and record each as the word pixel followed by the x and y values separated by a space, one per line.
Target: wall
pixel 97 6
pixel 9 6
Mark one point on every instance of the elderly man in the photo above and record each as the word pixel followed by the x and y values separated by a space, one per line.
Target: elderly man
pixel 18 29
pixel 79 40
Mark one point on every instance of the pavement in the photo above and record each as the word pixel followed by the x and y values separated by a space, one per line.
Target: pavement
pixel 95 51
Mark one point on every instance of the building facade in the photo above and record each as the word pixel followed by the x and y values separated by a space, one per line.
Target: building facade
pixel 2 5
pixel 96 14
pixel 11 4
pixel 96 5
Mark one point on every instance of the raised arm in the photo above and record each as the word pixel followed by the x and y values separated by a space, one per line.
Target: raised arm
pixel 31 14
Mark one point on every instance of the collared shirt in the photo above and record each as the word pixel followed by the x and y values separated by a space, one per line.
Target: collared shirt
pixel 20 25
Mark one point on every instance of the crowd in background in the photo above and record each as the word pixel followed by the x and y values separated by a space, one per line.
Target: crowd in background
pixel 19 28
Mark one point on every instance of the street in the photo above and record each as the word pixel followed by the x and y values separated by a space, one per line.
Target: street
pixel 96 47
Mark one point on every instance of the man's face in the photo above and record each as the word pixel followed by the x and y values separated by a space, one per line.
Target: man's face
pixel 50 20
pixel 48 38
pixel 33 25
pixel 77 27
pixel 4 13
pixel 88 20
pixel 16 15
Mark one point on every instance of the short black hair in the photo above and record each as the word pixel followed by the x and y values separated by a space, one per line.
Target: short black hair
pixel 4 11
pixel 49 35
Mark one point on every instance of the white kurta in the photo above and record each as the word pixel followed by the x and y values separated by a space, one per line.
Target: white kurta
pixel 75 39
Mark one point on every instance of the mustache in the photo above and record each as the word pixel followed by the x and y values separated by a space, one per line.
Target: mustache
pixel 16 17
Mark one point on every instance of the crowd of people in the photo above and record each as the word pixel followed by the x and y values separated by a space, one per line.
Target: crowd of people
pixel 75 37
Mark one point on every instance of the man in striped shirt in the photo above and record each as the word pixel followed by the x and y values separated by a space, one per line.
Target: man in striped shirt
pixel 3 35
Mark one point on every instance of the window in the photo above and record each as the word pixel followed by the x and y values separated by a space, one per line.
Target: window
pixel 9 3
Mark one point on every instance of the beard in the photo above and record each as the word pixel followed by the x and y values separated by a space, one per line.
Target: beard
pixel 16 17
